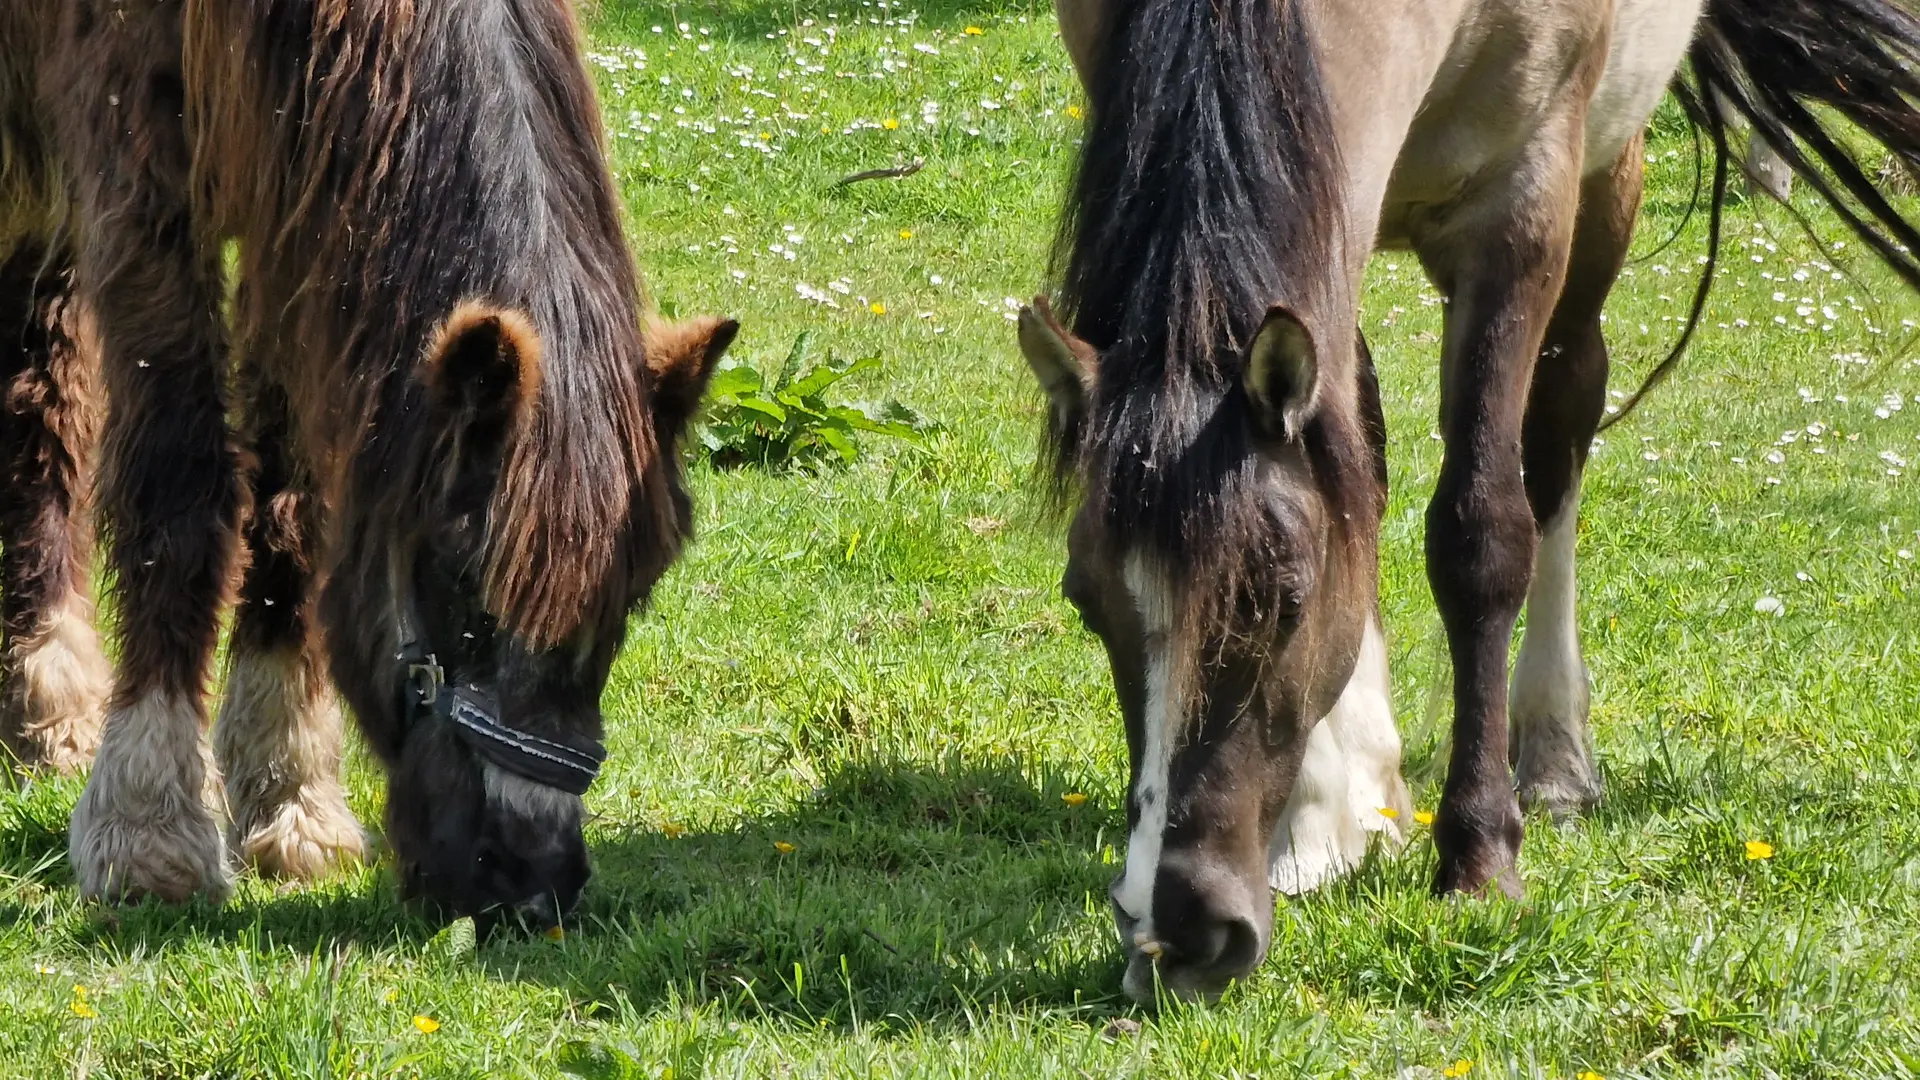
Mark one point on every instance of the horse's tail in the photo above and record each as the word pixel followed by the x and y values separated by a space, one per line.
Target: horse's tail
pixel 1774 63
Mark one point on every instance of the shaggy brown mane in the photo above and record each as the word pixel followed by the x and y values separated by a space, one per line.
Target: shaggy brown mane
pixel 438 153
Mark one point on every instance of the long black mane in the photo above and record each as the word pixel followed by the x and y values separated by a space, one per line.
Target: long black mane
pixel 1207 190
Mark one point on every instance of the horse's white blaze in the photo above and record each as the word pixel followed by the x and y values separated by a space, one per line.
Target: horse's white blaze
pixel 1649 39
pixel 1549 694
pixel 1160 726
pixel 1349 775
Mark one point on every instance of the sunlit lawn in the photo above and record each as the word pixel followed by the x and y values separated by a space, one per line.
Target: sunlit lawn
pixel 834 837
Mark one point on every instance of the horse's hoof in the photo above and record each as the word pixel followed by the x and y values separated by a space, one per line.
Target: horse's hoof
pixel 1479 852
pixel 170 852
pixel 144 826
pixel 307 837
pixel 56 698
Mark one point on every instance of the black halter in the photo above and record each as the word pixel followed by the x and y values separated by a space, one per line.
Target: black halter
pixel 475 716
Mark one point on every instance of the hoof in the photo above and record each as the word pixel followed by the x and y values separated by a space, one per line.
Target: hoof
pixel 305 838
pixel 1479 852
pixel 171 851
pixel 145 826
pixel 1554 769
pixel 56 698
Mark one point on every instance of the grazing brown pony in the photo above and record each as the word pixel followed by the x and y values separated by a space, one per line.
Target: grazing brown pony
pixel 1212 407
pixel 454 473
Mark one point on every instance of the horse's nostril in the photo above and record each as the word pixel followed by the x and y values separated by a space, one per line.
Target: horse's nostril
pixel 1237 949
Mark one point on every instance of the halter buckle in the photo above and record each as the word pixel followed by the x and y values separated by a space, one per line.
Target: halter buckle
pixel 427 679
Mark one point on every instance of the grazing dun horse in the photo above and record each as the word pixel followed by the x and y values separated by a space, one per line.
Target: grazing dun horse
pixel 454 470
pixel 1213 410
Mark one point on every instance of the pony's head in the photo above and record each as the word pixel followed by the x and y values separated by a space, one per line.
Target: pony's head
pixel 1222 553
pixel 486 630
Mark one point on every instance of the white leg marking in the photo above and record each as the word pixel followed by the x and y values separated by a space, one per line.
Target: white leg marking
pixel 1351 773
pixel 60 681
pixel 1160 725
pixel 1548 699
pixel 278 741
pixel 147 822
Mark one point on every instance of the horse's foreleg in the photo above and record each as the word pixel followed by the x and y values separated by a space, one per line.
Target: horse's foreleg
pixel 278 737
pixel 55 676
pixel 1500 259
pixel 1552 751
pixel 169 492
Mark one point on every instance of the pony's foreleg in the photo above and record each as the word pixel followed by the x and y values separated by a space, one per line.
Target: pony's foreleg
pixel 1500 258
pixel 169 492
pixel 53 676
pixel 1552 750
pixel 278 737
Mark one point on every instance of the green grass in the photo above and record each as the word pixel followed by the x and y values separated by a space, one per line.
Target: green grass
pixel 875 667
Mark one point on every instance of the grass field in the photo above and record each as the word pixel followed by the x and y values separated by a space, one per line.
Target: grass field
pixel 832 839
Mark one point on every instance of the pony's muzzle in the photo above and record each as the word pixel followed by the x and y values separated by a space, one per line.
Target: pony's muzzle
pixel 535 915
pixel 1206 933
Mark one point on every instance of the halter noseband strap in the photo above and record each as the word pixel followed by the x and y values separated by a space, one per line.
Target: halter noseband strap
pixel 475 716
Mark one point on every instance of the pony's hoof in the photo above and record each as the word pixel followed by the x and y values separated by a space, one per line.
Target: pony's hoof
pixel 1556 774
pixel 171 850
pixel 1478 877
pixel 55 700
pixel 307 837
pixel 1479 853
pixel 1564 795
pixel 146 824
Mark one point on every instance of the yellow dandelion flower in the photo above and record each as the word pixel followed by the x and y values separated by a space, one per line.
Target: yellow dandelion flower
pixel 1074 798
pixel 1424 817
pixel 392 995
pixel 427 1025
pixel 672 829
pixel 556 933
pixel 765 137
pixel 825 130
pixel 1588 1074
pixel 1389 813
pixel 877 308
pixel 890 124
pixel 973 31
pixel 81 1009
pixel 1073 112
pixel 906 234
pixel 1458 1068
pixel 1758 850
pixel 783 847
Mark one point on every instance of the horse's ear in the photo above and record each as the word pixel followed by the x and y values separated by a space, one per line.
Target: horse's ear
pixel 681 357
pixel 482 371
pixel 1064 364
pixel 1282 377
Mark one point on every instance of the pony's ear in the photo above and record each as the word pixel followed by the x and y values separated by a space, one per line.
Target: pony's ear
pixel 1282 376
pixel 681 358
pixel 1064 364
pixel 482 371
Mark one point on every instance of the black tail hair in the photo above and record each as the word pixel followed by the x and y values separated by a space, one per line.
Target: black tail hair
pixel 1774 62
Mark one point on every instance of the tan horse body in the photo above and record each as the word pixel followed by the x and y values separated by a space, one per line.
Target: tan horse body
pixel 1498 140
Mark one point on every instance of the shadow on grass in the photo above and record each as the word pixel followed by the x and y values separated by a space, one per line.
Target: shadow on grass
pixel 898 894
pixel 894 894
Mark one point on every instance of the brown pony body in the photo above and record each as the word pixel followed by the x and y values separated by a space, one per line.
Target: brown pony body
pixel 452 440
pixel 1242 160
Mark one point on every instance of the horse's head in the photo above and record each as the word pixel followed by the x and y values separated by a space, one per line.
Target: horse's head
pixel 1215 555
pixel 488 587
